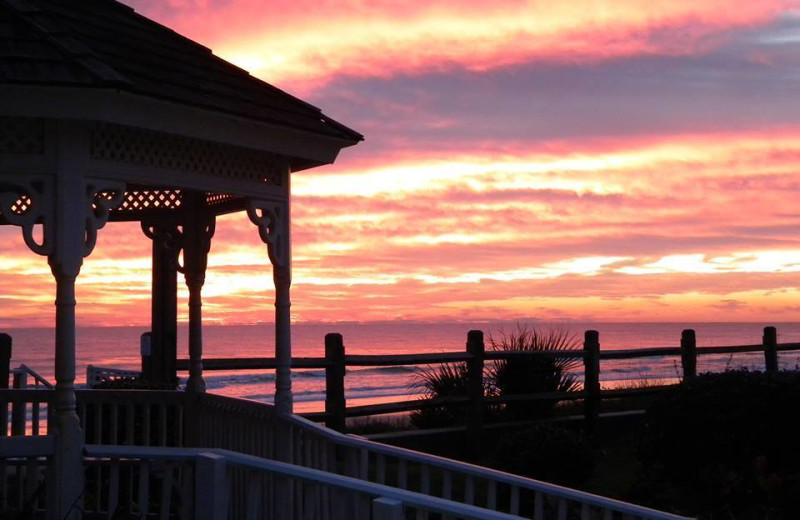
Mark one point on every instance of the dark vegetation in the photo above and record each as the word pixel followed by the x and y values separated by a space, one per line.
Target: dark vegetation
pixel 532 375
pixel 724 446
pixel 504 378
pixel 721 446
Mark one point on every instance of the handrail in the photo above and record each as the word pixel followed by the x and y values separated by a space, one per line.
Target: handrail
pixel 23 368
pixel 18 446
pixel 481 472
pixel 419 500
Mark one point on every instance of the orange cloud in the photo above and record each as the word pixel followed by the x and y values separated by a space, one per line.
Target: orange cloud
pixel 656 228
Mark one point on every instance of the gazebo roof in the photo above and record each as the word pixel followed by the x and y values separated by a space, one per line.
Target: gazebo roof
pixel 103 44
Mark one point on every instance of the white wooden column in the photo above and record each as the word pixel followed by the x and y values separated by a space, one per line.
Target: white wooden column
pixel 78 212
pixel 198 230
pixel 273 221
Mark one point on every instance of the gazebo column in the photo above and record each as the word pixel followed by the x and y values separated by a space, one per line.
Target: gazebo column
pixel 159 364
pixel 272 219
pixel 197 233
pixel 79 208
pixel 282 277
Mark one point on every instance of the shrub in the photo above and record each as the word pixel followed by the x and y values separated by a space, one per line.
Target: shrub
pixel 446 380
pixel 546 452
pixel 724 445
pixel 532 375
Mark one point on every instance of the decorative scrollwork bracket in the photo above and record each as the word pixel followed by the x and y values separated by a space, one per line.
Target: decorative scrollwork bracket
pixel 26 203
pixel 272 219
pixel 169 236
pixel 197 236
pixel 101 197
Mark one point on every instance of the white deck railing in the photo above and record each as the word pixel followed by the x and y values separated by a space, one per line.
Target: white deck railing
pixel 328 450
pixel 308 493
pixel 141 419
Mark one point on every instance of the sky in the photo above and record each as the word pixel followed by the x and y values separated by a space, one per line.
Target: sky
pixel 581 160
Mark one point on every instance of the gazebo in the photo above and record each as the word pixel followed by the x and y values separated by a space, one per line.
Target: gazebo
pixel 108 116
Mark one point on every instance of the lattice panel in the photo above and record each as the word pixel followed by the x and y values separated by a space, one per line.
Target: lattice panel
pixel 215 199
pixel 145 148
pixel 21 135
pixel 149 200
pixel 22 205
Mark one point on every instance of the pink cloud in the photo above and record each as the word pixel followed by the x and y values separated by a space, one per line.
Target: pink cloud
pixel 301 45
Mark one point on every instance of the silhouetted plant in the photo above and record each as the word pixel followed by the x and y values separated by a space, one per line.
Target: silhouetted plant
pixel 446 380
pixel 516 376
pixel 532 375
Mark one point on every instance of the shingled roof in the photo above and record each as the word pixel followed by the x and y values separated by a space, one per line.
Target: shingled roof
pixel 105 44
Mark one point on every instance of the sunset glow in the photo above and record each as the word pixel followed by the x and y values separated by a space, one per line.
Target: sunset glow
pixel 555 160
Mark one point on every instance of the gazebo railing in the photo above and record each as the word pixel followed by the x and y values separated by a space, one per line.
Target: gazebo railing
pixel 133 417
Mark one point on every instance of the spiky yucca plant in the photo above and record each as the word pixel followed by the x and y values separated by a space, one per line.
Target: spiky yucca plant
pixel 532 375
pixel 446 380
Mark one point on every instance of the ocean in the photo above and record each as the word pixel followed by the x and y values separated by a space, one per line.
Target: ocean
pixel 118 347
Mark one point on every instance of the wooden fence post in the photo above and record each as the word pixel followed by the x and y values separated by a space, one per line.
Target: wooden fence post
pixel 335 402
pixel 770 342
pixel 476 348
pixel 5 359
pixel 591 379
pixel 689 354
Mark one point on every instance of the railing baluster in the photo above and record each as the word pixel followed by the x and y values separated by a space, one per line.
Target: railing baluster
pixel 162 425
pixel 380 469
pixel 98 487
pixel 586 513
pixel 469 490
pixel 491 495
pixel 20 485
pixel 538 506
pixel 3 484
pixel 424 488
pixel 514 505
pixel 98 422
pixel 113 489
pixel 144 488
pixel 31 477
pixel 364 464
pixel 253 498
pixel 35 411
pixel 447 485
pixel 187 491
pixel 562 509
pixel 129 422
pixel 608 514
pixel 402 474
pixel 146 425
pixel 166 492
